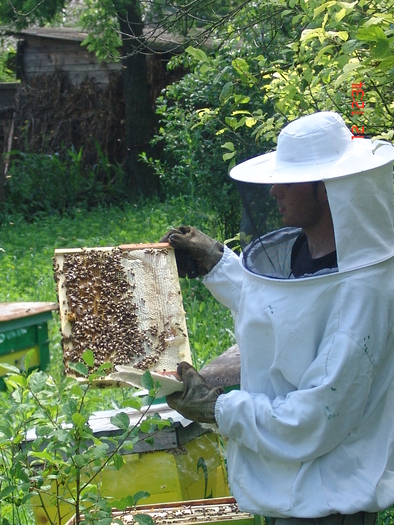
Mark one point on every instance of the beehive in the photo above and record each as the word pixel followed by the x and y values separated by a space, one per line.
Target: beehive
pixel 124 304
pixel 223 511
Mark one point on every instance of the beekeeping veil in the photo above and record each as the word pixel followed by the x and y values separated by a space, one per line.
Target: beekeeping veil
pixel 358 176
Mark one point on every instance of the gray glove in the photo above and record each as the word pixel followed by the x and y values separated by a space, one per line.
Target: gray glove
pixel 197 401
pixel 195 252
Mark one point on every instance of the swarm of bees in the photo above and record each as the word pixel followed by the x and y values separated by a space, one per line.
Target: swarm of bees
pixel 124 305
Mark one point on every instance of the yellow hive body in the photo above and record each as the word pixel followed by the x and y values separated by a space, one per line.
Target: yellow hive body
pixel 186 462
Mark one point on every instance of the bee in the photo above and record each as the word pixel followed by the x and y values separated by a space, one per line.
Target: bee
pixel 71 317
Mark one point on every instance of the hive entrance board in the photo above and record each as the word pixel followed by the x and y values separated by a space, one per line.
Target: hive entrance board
pixel 124 304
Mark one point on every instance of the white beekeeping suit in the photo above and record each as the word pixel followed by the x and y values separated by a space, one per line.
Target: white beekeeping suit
pixel 311 430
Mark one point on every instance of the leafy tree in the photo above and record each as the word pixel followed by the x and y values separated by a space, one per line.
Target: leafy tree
pixel 325 56
pixel 281 60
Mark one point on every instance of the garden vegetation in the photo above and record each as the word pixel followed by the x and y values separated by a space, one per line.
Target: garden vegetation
pixel 274 61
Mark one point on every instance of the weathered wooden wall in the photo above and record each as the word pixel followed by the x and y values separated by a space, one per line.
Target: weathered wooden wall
pixel 38 54
pixel 68 98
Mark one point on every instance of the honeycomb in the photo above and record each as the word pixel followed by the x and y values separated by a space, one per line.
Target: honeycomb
pixel 183 514
pixel 123 304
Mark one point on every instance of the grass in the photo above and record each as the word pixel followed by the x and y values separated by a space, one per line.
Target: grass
pixel 26 272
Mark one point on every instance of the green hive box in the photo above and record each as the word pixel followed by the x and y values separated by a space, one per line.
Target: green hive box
pixel 23 327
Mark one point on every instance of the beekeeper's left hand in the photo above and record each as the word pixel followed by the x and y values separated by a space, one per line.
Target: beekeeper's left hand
pixel 197 401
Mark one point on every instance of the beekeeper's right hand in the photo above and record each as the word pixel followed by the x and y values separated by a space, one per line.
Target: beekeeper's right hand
pixel 196 253
pixel 198 399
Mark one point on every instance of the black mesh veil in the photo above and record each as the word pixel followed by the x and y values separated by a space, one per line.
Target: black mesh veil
pixel 260 217
pixel 259 212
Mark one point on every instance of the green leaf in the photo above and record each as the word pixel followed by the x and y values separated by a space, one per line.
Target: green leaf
pixel 118 461
pixel 149 441
pixel 104 366
pixel 250 122
pixel 226 92
pixel 229 146
pixel 380 49
pixel 88 357
pixel 140 495
pixel 342 60
pixel 37 381
pixel 228 156
pixel 386 64
pixel 133 402
pixel 323 7
pixel 44 455
pixel 79 420
pixel 10 368
pixel 241 65
pixel 241 99
pixel 342 13
pixel 123 503
pixel 205 68
pixel 143 519
pixel 44 430
pixel 28 358
pixel 343 35
pixel 147 381
pixel 198 54
pixel 81 460
pixel 80 368
pixel 15 380
pixel 121 420
pixel 309 34
pixel 371 34
pixel 7 491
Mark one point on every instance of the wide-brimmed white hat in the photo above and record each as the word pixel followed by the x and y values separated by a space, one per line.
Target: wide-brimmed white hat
pixel 314 148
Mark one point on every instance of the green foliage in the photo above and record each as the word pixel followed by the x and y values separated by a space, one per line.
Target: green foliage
pixel 191 135
pixel 186 18
pixel 49 454
pixel 38 183
pixel 299 58
pixel 22 13
pixel 100 19
pixel 312 55
pixel 386 517
pixel 7 65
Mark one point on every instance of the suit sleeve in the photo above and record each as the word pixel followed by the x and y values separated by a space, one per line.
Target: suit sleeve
pixel 225 280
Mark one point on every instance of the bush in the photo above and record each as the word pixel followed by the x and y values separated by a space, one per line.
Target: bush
pixel 39 183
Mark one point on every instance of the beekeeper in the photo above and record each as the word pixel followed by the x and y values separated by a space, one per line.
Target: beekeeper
pixel 311 430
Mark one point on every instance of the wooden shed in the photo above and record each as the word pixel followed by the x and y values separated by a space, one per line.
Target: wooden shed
pixel 46 50
pixel 67 98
